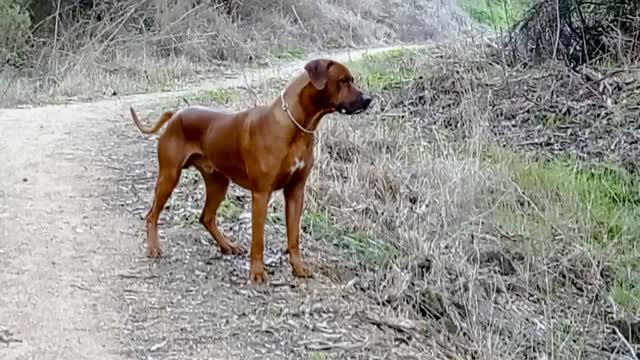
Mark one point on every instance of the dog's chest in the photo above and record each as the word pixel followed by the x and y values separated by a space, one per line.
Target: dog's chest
pixel 293 164
pixel 296 164
pixel 295 159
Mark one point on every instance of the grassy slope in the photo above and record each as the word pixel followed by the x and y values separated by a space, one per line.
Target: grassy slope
pixel 574 222
pixel 603 199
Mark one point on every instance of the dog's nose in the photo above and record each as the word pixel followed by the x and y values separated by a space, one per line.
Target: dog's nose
pixel 366 100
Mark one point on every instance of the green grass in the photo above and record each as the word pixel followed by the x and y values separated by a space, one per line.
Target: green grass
pixel 223 96
pixel 388 69
pixel 549 119
pixel 626 293
pixel 229 211
pixel 188 217
pixel 359 244
pixel 321 226
pixel 321 356
pixel 276 218
pixel 597 207
pixel 499 14
pixel 289 53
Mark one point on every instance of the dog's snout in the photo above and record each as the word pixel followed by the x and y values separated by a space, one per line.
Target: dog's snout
pixel 358 104
pixel 366 100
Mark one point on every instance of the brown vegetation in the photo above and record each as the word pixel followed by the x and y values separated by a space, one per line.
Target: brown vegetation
pixel 114 47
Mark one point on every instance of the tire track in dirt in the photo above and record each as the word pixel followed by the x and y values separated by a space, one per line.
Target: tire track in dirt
pixel 75 284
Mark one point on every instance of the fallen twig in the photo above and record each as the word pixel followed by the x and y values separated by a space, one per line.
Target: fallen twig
pixel 399 325
pixel 134 276
pixel 158 346
pixel 319 345
pixel 7 338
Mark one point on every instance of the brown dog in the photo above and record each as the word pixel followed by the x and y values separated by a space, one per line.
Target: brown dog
pixel 264 149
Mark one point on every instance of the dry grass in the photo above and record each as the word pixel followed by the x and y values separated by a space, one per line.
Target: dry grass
pixel 139 46
pixel 503 254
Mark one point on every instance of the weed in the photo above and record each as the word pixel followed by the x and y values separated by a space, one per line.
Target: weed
pixel 552 119
pixel 293 53
pixel 276 218
pixel 223 96
pixel 322 226
pixel 500 14
pixel 321 356
pixel 388 69
pixel 229 210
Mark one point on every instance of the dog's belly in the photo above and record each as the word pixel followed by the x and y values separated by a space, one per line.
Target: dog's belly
pixel 281 181
pixel 241 181
pixel 233 170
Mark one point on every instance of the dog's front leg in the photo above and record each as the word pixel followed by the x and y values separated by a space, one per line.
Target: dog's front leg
pixel 259 203
pixel 294 201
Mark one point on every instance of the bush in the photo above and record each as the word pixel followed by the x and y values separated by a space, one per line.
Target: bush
pixel 14 30
pixel 579 32
pixel 97 48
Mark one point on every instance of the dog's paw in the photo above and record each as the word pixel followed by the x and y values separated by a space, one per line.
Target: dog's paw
pixel 231 249
pixel 257 275
pixel 301 270
pixel 154 252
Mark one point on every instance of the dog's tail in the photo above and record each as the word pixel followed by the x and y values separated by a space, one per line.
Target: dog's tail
pixel 153 129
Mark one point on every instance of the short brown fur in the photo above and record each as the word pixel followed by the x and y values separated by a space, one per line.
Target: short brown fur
pixel 260 149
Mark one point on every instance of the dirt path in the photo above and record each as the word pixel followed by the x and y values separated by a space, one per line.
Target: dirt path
pixel 57 243
pixel 74 283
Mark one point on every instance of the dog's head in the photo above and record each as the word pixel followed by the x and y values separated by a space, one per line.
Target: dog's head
pixel 335 82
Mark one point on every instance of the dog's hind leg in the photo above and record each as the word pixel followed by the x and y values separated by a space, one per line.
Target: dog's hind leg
pixel 170 167
pixel 217 185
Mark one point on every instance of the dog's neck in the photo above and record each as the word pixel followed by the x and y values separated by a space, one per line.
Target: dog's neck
pixel 304 104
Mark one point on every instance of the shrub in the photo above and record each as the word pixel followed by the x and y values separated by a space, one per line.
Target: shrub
pixel 14 30
pixel 579 32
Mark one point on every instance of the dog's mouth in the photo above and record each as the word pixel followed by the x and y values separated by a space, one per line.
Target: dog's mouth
pixel 346 111
pixel 353 109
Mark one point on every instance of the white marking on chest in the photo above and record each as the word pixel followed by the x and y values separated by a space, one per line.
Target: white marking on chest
pixel 297 165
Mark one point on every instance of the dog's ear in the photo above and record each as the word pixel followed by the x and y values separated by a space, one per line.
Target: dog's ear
pixel 318 71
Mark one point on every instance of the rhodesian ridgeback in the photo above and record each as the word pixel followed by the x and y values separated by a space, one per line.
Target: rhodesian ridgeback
pixel 263 149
